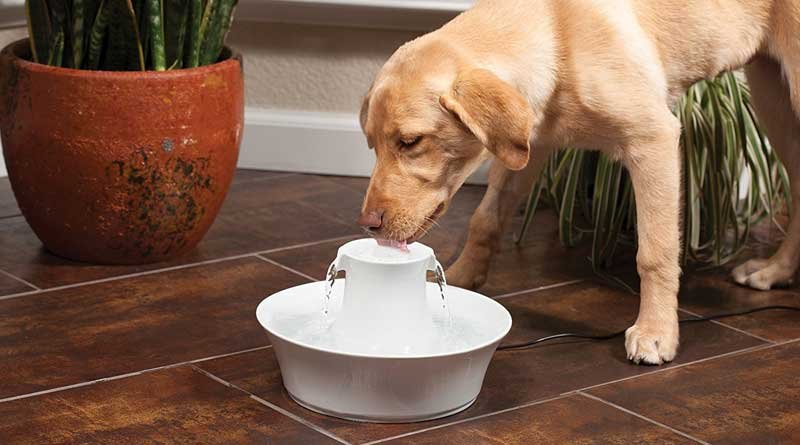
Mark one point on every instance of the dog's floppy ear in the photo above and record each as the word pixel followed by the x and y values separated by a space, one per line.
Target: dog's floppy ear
pixel 495 113
pixel 364 113
pixel 362 117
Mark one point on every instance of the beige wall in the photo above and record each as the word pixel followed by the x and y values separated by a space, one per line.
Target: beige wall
pixel 9 35
pixel 311 68
pixel 302 67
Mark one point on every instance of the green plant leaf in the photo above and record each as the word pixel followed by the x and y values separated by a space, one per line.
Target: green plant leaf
pixel 567 211
pixel 732 179
pixel 216 29
pixel 56 50
pixel 84 13
pixel 530 209
pixel 59 23
pixel 98 35
pixel 155 18
pixel 39 29
pixel 176 15
pixel 77 32
pixel 192 53
pixel 128 34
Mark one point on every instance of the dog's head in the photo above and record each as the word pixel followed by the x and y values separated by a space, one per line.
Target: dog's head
pixel 432 120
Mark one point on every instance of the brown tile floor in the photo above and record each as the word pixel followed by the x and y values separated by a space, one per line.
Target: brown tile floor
pixel 172 353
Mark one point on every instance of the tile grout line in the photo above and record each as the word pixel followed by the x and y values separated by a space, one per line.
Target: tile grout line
pixel 19 294
pixel 682 365
pixel 755 348
pixel 18 279
pixel 308 244
pixel 788 342
pixel 270 405
pixel 170 268
pixel 741 331
pixel 132 275
pixel 130 374
pixel 525 405
pixel 88 383
pixel 581 390
pixel 540 288
pixel 227 354
pixel 259 254
pixel 469 419
pixel 645 418
pixel 322 213
pixel 501 296
pixel 287 268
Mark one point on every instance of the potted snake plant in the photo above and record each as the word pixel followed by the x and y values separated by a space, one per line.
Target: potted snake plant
pixel 732 180
pixel 121 122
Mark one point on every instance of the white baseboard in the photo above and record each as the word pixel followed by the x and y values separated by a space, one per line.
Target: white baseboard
pixel 397 14
pixel 421 15
pixel 3 172
pixel 309 142
pixel 305 142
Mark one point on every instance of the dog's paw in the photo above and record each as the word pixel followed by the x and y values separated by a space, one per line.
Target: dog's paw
pixel 466 274
pixel 652 346
pixel 763 274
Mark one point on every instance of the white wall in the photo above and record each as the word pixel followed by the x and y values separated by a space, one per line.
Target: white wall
pixel 311 67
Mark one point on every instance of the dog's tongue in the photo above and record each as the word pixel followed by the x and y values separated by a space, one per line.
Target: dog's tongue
pixel 400 245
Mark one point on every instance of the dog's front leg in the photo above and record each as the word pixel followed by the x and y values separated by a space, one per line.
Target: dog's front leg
pixel 654 164
pixel 506 191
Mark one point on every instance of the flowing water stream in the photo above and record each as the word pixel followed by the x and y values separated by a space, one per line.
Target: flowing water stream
pixel 330 280
pixel 449 331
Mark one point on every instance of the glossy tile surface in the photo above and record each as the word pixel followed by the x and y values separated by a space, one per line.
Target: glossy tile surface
pixel 572 420
pixel 171 406
pixel 745 398
pixel 515 377
pixel 142 326
pixel 259 214
pixel 10 286
pixel 85 333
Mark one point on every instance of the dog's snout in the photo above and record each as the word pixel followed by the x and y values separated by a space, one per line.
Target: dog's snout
pixel 371 220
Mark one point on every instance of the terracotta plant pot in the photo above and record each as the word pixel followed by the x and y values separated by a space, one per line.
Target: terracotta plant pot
pixel 119 167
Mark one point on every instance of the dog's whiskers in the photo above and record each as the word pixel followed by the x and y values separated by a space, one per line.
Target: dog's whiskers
pixel 433 222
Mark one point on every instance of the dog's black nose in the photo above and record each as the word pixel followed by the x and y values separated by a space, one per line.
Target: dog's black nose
pixel 371 220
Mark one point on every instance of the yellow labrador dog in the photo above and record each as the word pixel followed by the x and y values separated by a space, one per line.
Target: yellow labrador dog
pixel 516 79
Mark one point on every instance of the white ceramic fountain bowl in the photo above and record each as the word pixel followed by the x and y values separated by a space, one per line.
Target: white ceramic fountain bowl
pixel 383 387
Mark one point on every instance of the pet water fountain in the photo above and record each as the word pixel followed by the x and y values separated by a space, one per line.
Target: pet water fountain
pixel 383 344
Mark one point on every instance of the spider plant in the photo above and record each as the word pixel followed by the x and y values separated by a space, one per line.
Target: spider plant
pixel 731 180
pixel 128 35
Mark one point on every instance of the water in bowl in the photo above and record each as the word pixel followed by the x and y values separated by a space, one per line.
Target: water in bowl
pixel 455 333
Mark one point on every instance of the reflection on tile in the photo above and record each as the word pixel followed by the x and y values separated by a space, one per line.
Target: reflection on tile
pixel 80 334
pixel 752 397
pixel 171 406
pixel 515 377
pixel 571 420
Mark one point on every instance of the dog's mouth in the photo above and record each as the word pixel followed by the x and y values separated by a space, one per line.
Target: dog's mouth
pixel 429 222
pixel 421 231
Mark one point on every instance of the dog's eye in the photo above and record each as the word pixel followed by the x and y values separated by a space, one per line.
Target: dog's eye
pixel 409 142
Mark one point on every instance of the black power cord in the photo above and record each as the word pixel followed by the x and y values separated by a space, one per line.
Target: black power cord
pixel 531 343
